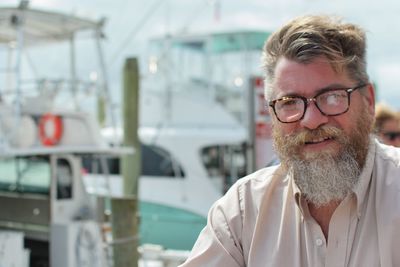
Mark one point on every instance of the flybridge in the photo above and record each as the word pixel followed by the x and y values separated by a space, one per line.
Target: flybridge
pixel 42 26
pixel 219 42
pixel 31 117
pixel 45 135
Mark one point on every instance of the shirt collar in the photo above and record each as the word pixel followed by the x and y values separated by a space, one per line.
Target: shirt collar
pixel 361 188
pixel 296 192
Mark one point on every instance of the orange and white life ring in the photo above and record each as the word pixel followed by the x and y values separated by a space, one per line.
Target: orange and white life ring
pixel 50 129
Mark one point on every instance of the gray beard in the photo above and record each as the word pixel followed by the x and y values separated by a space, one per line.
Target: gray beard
pixel 326 178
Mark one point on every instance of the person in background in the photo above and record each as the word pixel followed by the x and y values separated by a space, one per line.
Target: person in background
pixel 387 125
pixel 334 199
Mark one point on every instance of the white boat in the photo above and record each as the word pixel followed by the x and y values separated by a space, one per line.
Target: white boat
pixel 193 127
pixel 45 206
pixel 185 168
pixel 193 131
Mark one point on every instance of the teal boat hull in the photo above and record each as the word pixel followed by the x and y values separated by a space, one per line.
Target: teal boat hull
pixel 173 228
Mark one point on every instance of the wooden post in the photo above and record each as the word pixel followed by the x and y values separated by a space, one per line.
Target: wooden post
pixel 101 112
pixel 125 210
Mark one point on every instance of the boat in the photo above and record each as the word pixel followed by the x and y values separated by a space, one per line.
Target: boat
pixel 185 168
pixel 48 217
pixel 194 134
pixel 194 130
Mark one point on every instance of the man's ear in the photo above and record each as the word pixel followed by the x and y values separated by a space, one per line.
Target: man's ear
pixel 370 98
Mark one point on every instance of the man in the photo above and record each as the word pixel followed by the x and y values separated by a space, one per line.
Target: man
pixel 335 198
pixel 387 125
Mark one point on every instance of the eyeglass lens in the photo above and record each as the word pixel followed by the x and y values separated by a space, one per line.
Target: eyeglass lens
pixel 290 109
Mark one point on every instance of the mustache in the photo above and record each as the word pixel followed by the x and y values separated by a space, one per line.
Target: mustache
pixel 307 135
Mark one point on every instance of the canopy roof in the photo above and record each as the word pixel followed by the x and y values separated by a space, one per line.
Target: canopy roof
pixel 219 42
pixel 41 26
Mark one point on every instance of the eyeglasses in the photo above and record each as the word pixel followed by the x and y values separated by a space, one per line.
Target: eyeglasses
pixel 331 102
pixel 392 135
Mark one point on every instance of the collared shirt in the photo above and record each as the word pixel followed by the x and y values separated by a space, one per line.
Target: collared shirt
pixel 263 220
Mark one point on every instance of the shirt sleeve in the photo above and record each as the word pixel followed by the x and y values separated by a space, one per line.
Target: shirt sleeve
pixel 219 243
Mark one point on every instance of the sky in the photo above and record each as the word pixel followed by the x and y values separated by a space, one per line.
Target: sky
pixel 130 24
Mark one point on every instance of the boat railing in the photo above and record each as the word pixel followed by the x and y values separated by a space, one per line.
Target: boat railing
pixel 156 255
pixel 52 88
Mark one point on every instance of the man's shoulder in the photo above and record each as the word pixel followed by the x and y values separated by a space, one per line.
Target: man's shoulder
pixel 247 194
pixel 387 169
pixel 260 177
pixel 388 154
pixel 254 185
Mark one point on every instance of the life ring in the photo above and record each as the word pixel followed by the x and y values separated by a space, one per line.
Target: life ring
pixel 50 129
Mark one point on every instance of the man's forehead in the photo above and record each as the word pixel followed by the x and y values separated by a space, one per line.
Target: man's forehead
pixel 299 78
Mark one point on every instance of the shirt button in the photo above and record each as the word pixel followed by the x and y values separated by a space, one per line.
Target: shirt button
pixel 319 242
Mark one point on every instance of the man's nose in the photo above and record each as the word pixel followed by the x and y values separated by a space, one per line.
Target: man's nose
pixel 313 118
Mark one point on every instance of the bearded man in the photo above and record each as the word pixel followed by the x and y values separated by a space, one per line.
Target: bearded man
pixel 335 198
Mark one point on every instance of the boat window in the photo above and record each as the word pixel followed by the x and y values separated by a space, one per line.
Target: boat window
pixel 155 162
pixel 100 164
pixel 64 179
pixel 224 164
pixel 25 175
pixel 159 162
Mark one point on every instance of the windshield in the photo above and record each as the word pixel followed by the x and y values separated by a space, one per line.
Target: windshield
pixel 225 164
pixel 155 162
pixel 25 175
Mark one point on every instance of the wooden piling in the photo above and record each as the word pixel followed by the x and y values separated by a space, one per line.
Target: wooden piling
pixel 125 221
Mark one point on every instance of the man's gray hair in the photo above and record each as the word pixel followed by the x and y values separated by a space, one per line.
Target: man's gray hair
pixel 308 37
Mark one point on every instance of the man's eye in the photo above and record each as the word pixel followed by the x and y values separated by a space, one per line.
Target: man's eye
pixel 289 103
pixel 333 98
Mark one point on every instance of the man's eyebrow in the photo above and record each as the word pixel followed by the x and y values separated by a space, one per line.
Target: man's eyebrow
pixel 332 87
pixel 318 91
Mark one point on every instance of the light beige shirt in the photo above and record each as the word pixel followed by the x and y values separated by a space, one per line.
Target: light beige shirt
pixel 263 220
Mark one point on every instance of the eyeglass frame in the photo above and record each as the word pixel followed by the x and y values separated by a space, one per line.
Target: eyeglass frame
pixel 313 99
pixel 391 135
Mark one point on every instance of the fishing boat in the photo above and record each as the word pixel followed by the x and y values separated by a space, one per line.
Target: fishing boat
pixel 55 209
pixel 185 168
pixel 197 99
pixel 193 128
pixel 45 133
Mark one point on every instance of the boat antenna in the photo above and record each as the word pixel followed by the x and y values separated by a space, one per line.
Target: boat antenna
pixel 197 12
pixel 217 11
pixel 135 30
pixel 23 4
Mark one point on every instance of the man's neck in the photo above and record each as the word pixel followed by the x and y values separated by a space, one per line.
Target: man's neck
pixel 323 214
